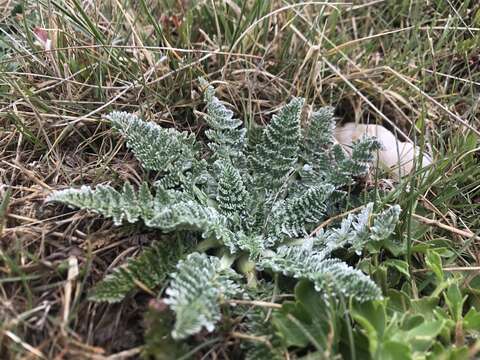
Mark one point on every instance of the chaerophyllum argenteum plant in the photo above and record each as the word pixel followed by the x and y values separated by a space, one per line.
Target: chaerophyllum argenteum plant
pixel 252 202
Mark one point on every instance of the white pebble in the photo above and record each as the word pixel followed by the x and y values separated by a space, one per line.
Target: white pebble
pixel 396 157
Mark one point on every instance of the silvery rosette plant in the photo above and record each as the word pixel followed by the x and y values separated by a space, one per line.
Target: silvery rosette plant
pixel 250 202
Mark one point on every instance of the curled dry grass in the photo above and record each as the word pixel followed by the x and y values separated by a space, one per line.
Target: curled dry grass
pixel 412 66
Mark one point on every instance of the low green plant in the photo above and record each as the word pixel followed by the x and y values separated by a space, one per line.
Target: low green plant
pixel 441 324
pixel 252 199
